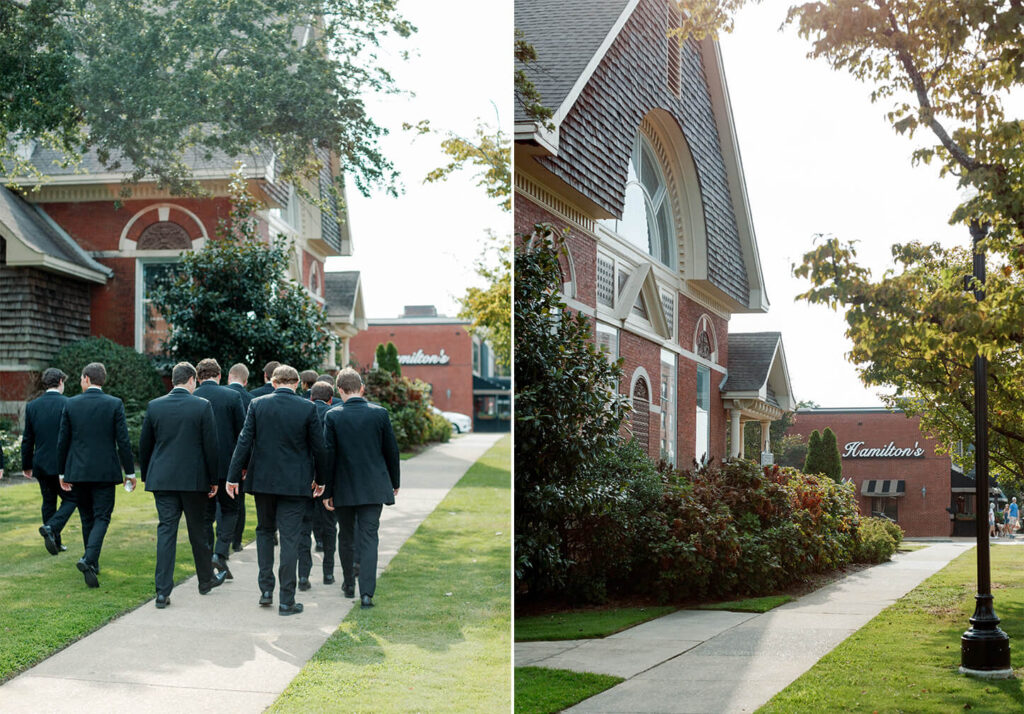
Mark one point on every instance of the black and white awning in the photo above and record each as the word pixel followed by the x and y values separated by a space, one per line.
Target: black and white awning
pixel 880 487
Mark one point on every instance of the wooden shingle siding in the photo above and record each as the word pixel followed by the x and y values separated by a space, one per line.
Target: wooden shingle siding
pixel 40 312
pixel 597 135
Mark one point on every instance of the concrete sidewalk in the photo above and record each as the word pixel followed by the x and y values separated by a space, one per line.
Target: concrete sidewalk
pixel 713 662
pixel 222 652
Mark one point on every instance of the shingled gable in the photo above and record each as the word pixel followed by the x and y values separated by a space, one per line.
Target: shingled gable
pixel 343 297
pixel 34 240
pixel 757 369
pixel 602 77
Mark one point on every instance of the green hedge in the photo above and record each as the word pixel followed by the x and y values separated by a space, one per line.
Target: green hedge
pixel 130 375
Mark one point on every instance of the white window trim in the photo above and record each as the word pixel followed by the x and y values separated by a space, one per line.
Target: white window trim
pixel 140 322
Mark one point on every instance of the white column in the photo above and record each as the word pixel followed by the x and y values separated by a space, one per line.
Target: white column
pixel 766 436
pixel 332 359
pixel 736 447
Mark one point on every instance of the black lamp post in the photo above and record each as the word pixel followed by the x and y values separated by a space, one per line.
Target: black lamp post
pixel 984 648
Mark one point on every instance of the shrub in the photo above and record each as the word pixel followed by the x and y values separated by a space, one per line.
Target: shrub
pixel 130 375
pixel 440 428
pixel 408 404
pixel 11 446
pixel 876 541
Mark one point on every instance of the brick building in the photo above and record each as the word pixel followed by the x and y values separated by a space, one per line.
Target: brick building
pixel 897 469
pixel 642 168
pixel 440 351
pixel 75 261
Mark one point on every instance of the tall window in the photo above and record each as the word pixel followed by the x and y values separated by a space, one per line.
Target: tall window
pixel 703 411
pixel 608 340
pixel 152 326
pixel 668 406
pixel 646 217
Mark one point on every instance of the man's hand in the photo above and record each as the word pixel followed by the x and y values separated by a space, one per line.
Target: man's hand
pixel 329 504
pixel 64 486
pixel 318 489
pixel 131 480
pixel 243 474
pixel 231 488
pixel 1 473
pixel 27 473
pixel 396 491
pixel 213 491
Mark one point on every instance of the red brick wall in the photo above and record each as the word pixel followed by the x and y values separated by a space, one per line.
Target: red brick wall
pixel 638 352
pixel 112 309
pixel 457 375
pixel 918 515
pixel 582 247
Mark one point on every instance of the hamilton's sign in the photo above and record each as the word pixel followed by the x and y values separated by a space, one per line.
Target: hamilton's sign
pixel 420 357
pixel 857 450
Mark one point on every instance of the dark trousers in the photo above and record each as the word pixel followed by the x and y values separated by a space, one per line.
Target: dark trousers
pixel 169 507
pixel 363 522
pixel 305 553
pixel 282 514
pixel 223 510
pixel 236 541
pixel 56 518
pixel 325 529
pixel 95 504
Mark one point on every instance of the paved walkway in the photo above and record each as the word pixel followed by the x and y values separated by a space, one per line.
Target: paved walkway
pixel 222 652
pixel 713 662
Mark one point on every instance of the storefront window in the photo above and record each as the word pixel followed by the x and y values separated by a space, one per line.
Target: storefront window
pixel 888 507
pixel 668 406
pixel 703 413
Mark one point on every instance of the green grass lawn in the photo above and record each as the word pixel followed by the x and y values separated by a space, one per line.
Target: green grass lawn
pixel 44 602
pixel 584 624
pixel 755 604
pixel 545 691
pixel 906 659
pixel 439 638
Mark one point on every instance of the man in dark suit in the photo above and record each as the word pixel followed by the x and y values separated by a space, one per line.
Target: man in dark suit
pixel 39 457
pixel 238 377
pixel 307 376
pixel 268 374
pixel 229 416
pixel 282 448
pixel 178 460
pixel 364 476
pixel 92 449
pixel 317 520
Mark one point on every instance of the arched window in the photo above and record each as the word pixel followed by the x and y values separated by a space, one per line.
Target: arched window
pixel 640 419
pixel 647 216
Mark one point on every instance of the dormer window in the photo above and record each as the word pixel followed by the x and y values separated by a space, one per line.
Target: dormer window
pixel 646 216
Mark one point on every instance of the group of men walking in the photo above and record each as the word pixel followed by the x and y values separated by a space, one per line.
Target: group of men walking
pixel 309 463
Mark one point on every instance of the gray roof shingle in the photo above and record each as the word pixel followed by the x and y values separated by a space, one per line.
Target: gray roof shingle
pixel 750 360
pixel 340 291
pixel 29 225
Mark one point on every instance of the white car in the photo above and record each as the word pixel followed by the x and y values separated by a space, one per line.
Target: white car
pixel 461 424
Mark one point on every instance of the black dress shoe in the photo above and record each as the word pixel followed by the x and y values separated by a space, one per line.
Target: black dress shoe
pixel 48 540
pixel 266 598
pixel 294 609
pixel 218 580
pixel 348 591
pixel 162 601
pixel 328 579
pixel 304 584
pixel 237 547
pixel 221 564
pixel 89 571
pixel 366 601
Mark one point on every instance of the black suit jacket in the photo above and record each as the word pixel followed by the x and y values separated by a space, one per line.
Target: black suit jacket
pixel 263 391
pixel 42 427
pixel 243 393
pixel 93 444
pixel 281 445
pixel 363 454
pixel 229 415
pixel 322 408
pixel 178 446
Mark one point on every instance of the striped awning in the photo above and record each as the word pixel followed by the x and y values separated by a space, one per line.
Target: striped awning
pixel 880 487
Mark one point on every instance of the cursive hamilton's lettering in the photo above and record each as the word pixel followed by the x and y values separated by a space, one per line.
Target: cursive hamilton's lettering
pixel 857 450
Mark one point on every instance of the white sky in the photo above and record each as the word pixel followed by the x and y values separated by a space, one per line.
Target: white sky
pixel 819 157
pixel 419 249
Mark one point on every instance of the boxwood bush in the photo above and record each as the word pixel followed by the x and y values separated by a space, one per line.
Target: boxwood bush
pixel 877 540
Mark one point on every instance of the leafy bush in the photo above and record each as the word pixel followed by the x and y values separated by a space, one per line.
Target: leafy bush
pixel 440 428
pixel 877 540
pixel 11 446
pixel 130 375
pixel 408 404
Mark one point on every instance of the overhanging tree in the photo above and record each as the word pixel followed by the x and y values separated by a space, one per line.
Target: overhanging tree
pixel 145 84
pixel 232 299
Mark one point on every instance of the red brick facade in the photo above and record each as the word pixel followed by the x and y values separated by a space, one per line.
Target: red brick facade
pixel 452 382
pixel 920 513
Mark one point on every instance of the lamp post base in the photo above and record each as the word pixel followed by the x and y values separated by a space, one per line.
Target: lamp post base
pixel 984 648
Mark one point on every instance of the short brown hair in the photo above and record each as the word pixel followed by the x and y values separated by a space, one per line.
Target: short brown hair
pixel 326 378
pixel 284 374
pixel 182 372
pixel 323 392
pixel 240 371
pixel 53 377
pixel 207 368
pixel 349 381
pixel 269 367
pixel 96 373
pixel 307 376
